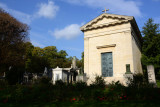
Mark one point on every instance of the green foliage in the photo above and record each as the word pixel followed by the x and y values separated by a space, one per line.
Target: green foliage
pixel 44 81
pixel 13 35
pixel 19 93
pixel 77 92
pixel 82 63
pixel 99 82
pixel 86 104
pixel 139 81
pixel 60 83
pixel 116 85
pixel 151 44
pixel 38 58
pixel 97 94
pixel 15 75
pixel 3 83
pixel 28 56
pixel 16 51
pixel 158 83
pixel 114 91
pixel 80 85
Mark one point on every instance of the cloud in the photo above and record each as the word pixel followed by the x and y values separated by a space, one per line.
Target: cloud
pixel 23 17
pixel 47 10
pixel 126 7
pixel 3 6
pixel 69 32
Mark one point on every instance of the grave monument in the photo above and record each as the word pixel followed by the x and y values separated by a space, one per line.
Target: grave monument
pixel 112 44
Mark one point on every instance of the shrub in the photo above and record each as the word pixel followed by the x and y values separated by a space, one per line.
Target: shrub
pixel 115 91
pixel 80 85
pixel 116 86
pixel 42 81
pixel 14 76
pixel 3 83
pixel 59 83
pixel 139 81
pixel 97 94
pixel 99 82
pixel 18 93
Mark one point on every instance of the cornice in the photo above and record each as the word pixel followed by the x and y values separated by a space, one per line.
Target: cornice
pixel 106 46
pixel 121 18
pixel 107 32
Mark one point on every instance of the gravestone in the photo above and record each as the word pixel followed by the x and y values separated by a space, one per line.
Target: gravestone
pixel 81 77
pixel 151 74
pixel 45 71
pixel 74 63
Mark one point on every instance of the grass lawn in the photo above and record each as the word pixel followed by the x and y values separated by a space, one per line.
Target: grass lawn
pixel 87 104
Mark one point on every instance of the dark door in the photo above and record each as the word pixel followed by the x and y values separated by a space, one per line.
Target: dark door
pixel 107 64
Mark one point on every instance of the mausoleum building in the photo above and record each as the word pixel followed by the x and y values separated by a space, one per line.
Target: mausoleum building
pixel 112 47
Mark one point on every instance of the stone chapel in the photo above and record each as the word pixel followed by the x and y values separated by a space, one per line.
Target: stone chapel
pixel 112 47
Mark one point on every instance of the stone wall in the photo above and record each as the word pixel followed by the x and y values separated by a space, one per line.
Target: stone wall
pixel 120 35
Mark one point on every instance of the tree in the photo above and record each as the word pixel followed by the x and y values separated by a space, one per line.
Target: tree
pixel 82 60
pixel 80 63
pixel 51 55
pixel 62 60
pixel 28 56
pixel 62 54
pixel 38 60
pixel 151 44
pixel 151 34
pixel 13 34
pixel 68 62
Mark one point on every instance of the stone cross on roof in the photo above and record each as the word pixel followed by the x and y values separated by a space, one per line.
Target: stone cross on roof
pixel 105 11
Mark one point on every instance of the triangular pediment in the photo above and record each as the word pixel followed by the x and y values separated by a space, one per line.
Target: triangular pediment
pixel 106 20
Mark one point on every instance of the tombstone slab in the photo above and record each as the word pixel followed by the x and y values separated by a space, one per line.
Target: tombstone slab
pixel 151 74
